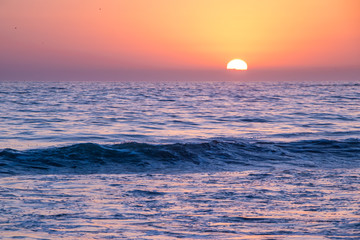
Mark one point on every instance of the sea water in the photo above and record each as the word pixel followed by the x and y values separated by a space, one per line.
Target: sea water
pixel 179 160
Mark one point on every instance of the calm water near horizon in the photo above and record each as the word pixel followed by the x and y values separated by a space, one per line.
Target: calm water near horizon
pixel 171 160
pixel 43 114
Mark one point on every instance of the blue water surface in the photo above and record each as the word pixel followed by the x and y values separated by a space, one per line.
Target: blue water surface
pixel 43 114
pixel 179 160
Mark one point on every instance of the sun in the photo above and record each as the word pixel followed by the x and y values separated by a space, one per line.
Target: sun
pixel 237 64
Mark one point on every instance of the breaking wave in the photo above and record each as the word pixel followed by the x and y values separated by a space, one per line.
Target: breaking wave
pixel 212 155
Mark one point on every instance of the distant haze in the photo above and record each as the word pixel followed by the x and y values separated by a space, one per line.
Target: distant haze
pixel 161 39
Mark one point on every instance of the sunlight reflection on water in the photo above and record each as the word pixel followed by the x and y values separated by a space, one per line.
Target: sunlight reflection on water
pixel 43 114
pixel 284 204
pixel 209 160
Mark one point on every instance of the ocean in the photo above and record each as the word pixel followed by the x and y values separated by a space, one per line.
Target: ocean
pixel 180 160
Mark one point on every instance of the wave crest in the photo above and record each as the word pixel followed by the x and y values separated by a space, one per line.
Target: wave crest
pixel 215 155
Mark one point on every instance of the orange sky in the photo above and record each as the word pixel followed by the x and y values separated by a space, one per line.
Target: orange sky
pixel 189 34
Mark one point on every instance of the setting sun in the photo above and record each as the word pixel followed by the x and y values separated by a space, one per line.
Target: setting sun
pixel 237 64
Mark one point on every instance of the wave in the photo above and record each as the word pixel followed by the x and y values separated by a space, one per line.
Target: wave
pixel 212 155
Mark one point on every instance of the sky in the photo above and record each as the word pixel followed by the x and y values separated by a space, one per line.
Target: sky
pixel 41 38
